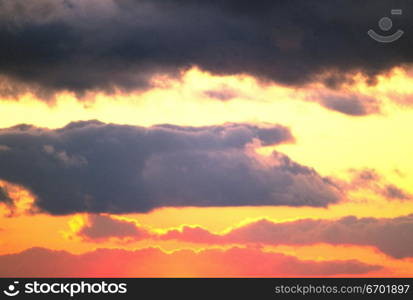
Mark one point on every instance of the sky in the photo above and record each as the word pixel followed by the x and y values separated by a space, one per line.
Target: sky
pixel 205 139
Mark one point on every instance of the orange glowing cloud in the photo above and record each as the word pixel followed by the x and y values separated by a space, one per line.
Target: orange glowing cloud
pixel 152 262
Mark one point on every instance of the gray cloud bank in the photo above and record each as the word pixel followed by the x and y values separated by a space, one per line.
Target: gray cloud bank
pixel 95 167
pixel 392 236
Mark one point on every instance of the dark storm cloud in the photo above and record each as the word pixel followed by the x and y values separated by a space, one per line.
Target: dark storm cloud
pixel 40 262
pixel 392 236
pixel 96 167
pixel 101 45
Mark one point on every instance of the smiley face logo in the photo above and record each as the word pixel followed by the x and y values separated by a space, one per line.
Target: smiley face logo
pixel 12 290
pixel 386 24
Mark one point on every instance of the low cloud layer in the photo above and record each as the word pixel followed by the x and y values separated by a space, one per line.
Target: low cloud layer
pixel 39 262
pixel 52 45
pixel 96 167
pixel 391 236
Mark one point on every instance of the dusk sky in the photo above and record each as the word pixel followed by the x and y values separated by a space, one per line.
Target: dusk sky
pixel 223 138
